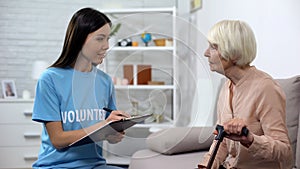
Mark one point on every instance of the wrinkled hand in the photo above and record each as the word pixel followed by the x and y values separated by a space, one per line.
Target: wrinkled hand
pixel 233 128
pixel 115 138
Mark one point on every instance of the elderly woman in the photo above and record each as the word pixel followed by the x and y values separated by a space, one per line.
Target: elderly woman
pixel 249 98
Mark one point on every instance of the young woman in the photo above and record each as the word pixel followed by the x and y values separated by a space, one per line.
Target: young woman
pixel 249 98
pixel 71 93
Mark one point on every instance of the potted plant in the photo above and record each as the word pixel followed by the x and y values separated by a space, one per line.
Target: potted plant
pixel 114 29
pixel 113 32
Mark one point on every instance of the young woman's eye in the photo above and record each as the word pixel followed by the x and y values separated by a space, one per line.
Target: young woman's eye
pixel 100 39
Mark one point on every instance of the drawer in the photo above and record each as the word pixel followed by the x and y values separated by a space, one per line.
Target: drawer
pixel 18 157
pixel 16 112
pixel 20 135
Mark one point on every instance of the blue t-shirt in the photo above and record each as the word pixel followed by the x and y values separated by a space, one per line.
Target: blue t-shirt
pixel 76 99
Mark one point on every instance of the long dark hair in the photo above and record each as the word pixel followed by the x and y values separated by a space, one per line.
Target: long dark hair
pixel 83 22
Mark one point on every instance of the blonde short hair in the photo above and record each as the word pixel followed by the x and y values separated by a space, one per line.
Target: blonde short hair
pixel 235 41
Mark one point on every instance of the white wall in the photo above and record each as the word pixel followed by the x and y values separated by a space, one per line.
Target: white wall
pixel 34 30
pixel 276 24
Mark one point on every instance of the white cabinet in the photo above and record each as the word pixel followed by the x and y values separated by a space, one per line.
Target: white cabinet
pixel 143 98
pixel 20 136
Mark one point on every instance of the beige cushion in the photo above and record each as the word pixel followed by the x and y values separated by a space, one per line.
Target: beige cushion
pixel 147 159
pixel 291 87
pixel 180 139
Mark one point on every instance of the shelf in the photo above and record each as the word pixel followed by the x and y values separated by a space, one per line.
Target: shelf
pixel 137 10
pixel 166 123
pixel 156 125
pixel 142 48
pixel 149 87
pixel 18 100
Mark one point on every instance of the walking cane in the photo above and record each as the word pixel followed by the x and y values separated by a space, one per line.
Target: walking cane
pixel 219 137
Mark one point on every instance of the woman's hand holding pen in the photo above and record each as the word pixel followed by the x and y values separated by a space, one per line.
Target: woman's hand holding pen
pixel 116 115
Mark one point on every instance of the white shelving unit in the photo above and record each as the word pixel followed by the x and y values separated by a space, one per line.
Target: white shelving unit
pixel 160 22
pixel 118 56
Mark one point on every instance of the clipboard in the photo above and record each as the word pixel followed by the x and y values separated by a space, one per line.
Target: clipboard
pixel 110 128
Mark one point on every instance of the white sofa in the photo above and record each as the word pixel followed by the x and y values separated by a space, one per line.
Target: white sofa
pixel 183 147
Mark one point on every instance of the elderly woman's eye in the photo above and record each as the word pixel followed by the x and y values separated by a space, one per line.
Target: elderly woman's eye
pixel 213 47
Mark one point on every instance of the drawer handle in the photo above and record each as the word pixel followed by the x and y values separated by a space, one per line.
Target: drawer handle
pixel 32 135
pixel 30 157
pixel 27 113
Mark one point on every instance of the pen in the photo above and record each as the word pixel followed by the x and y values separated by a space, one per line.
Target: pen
pixel 110 110
pixel 107 109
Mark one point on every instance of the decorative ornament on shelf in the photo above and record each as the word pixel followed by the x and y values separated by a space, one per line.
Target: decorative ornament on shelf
pixel 125 42
pixel 146 37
